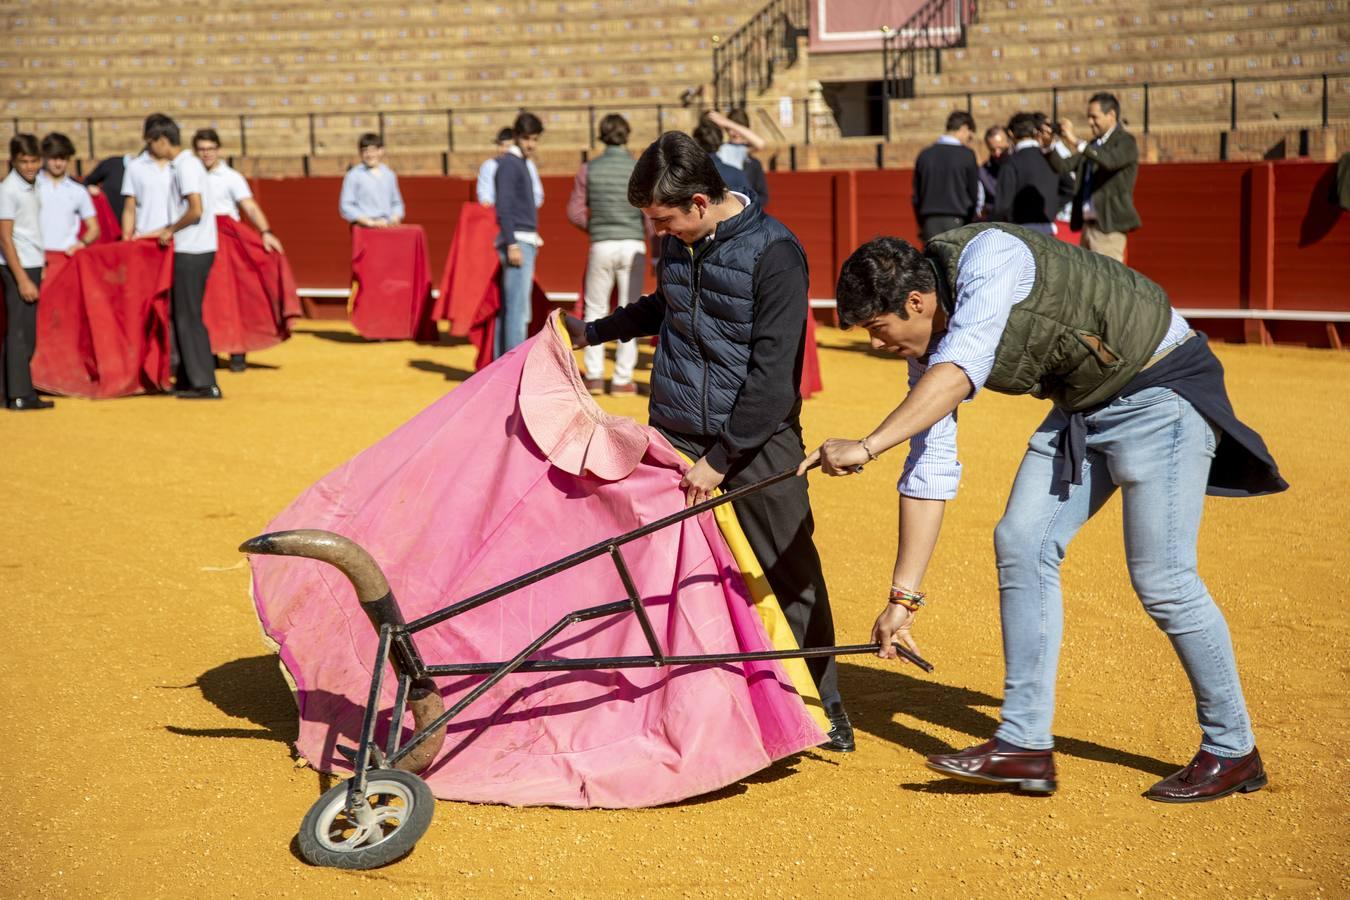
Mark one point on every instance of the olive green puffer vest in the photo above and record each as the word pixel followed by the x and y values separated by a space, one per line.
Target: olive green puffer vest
pixel 612 219
pixel 1088 326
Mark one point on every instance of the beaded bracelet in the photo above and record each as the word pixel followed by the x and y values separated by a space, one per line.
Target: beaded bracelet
pixel 910 600
pixel 871 457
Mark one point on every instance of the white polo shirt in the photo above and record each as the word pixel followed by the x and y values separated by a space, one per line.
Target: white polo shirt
pixel 65 204
pixel 19 202
pixel 227 189
pixel 189 177
pixel 150 183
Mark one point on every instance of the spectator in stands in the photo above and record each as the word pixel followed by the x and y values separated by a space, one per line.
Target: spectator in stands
pixel 725 381
pixel 66 204
pixel 518 239
pixel 1106 168
pixel 227 193
pixel 947 179
pixel 487 172
pixel 741 143
pixel 997 144
pixel 21 263
pixel 146 188
pixel 708 135
pixel 599 205
pixel 370 196
pixel 1029 191
pixel 192 235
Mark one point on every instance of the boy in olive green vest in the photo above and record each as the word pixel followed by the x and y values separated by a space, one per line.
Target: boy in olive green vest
pixel 599 205
pixel 1139 406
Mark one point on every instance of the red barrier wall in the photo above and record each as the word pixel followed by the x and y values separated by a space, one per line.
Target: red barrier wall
pixel 1217 235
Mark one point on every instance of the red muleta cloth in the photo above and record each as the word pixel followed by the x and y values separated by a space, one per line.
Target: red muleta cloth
pixel 470 289
pixel 391 297
pixel 251 295
pixel 103 321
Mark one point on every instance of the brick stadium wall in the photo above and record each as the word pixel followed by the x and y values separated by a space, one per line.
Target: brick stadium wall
pixel 1215 235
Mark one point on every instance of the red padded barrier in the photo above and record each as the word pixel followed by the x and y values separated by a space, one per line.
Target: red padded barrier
pixel 1312 239
pixel 1220 235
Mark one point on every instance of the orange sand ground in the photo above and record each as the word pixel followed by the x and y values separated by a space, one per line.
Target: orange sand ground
pixel 151 728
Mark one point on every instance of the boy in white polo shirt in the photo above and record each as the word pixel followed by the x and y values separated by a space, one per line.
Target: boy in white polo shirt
pixel 193 236
pixel 147 206
pixel 21 262
pixel 66 204
pixel 228 193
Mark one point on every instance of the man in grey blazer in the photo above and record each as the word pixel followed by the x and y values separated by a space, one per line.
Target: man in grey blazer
pixel 1106 168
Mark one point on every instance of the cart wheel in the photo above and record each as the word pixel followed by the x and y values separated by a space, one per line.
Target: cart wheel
pixel 401 806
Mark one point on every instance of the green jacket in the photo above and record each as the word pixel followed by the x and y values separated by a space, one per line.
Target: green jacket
pixel 612 219
pixel 1112 169
pixel 1086 329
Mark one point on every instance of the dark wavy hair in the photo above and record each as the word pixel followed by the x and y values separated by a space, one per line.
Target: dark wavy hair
pixel 878 277
pixel 671 171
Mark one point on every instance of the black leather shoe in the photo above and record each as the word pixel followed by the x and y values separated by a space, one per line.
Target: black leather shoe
pixel 1032 771
pixel 1202 779
pixel 238 363
pixel 31 402
pixel 841 733
pixel 206 393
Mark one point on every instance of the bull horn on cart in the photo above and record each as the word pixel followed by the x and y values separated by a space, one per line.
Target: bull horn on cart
pixel 377 600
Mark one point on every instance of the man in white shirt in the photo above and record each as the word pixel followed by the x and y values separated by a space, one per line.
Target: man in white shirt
pixel 146 204
pixel 486 189
pixel 21 262
pixel 228 193
pixel 66 204
pixel 193 237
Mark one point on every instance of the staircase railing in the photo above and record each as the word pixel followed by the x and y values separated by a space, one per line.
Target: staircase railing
pixel 914 48
pixel 745 61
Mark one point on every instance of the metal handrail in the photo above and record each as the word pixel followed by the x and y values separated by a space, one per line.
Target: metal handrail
pixel 914 48
pixel 221 119
pixel 745 61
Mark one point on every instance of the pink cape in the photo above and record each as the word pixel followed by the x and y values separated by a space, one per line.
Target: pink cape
pixel 462 498
pixel 391 297
pixel 251 295
pixel 103 321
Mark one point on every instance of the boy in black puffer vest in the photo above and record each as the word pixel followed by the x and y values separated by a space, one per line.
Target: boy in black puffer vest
pixel 731 311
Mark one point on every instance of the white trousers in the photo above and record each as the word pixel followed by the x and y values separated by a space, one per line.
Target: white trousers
pixel 611 265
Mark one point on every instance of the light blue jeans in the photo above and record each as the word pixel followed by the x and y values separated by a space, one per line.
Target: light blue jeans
pixel 1157 449
pixel 513 319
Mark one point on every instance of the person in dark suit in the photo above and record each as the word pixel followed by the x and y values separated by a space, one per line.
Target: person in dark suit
pixel 997 143
pixel 1106 168
pixel 1029 190
pixel 947 179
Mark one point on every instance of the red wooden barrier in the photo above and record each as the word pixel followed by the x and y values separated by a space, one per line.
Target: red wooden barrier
pixel 1216 235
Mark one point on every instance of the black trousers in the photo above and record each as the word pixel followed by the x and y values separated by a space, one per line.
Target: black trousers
pixel 196 363
pixel 778 524
pixel 931 226
pixel 16 353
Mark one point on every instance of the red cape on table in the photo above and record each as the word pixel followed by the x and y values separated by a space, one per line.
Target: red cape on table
pixel 391 297
pixel 103 321
pixel 251 295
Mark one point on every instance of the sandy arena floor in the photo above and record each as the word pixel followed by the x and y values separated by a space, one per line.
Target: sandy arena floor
pixel 152 727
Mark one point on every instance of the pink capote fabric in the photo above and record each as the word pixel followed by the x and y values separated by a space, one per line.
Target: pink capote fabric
pixel 462 498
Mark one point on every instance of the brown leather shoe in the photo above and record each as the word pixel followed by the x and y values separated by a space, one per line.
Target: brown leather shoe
pixel 1026 770
pixel 1201 780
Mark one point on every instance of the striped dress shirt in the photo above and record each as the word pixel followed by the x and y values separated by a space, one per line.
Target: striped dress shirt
pixel 996 271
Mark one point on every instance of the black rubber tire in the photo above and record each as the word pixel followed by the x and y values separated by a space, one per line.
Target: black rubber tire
pixel 418 806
